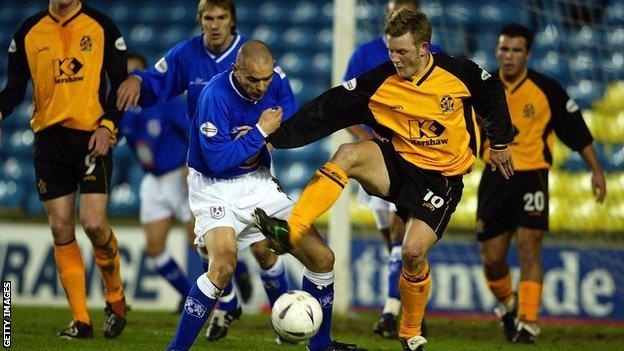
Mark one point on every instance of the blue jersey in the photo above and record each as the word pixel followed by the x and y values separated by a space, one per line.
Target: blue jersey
pixel 223 108
pixel 158 135
pixel 370 55
pixel 188 66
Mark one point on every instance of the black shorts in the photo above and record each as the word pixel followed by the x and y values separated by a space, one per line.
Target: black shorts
pixel 62 163
pixel 504 205
pixel 423 194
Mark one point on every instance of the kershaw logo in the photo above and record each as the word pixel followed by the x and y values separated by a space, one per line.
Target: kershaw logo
pixel 65 70
pixel 426 132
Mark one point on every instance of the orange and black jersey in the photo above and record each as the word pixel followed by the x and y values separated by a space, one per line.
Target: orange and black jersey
pixel 430 118
pixel 539 106
pixel 68 60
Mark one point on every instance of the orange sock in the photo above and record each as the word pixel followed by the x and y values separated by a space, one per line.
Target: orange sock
pixel 319 195
pixel 414 290
pixel 72 274
pixel 529 296
pixel 501 288
pixel 107 259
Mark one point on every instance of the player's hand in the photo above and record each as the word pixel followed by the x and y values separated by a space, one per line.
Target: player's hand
pixel 271 119
pixel 501 160
pixel 599 186
pixel 242 131
pixel 129 93
pixel 100 142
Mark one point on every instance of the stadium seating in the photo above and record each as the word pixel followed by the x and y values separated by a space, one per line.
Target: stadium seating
pixel 585 59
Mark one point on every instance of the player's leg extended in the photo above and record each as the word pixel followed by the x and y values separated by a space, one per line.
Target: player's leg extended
pixel 318 280
pixel 327 183
pixel 156 233
pixel 106 252
pixel 222 254
pixel 386 326
pixel 529 245
pixel 60 212
pixel 273 274
pixel 415 280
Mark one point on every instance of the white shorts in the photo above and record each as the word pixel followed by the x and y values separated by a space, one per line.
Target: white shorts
pixel 380 207
pixel 230 203
pixel 164 196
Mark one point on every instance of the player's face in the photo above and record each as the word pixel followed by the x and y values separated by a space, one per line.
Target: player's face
pixel 512 56
pixel 217 24
pixel 405 56
pixel 254 78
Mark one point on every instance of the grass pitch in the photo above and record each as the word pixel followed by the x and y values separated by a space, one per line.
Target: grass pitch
pixel 35 329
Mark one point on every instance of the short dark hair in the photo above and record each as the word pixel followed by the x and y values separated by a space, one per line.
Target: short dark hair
pixel 409 20
pixel 227 5
pixel 137 56
pixel 516 30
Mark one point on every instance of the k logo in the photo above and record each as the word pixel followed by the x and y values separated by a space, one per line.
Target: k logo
pixel 446 104
pixel 426 129
pixel 66 67
pixel 85 43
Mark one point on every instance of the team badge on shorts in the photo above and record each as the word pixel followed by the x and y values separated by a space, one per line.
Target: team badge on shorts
pixel 217 212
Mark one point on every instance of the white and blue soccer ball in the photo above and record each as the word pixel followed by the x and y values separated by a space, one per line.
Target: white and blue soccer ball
pixel 296 316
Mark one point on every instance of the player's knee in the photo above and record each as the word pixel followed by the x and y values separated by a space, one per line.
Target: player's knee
pixel 223 270
pixel 154 249
pixel 62 230
pixel 95 229
pixel 414 258
pixel 346 156
pixel 265 257
pixel 326 260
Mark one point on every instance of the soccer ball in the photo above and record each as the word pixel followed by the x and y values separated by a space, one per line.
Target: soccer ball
pixel 296 316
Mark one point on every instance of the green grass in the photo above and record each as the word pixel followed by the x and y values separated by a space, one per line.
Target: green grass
pixel 35 329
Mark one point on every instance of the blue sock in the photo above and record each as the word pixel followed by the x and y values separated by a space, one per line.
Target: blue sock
pixel 228 300
pixel 274 280
pixel 321 286
pixel 241 268
pixel 169 269
pixel 200 301
pixel 394 271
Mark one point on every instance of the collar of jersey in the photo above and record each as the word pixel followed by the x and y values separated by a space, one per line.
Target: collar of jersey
pixel 68 17
pixel 511 86
pixel 240 93
pixel 415 79
pixel 223 54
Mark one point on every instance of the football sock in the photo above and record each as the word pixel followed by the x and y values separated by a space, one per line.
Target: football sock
pixel 107 260
pixel 274 280
pixel 318 196
pixel 169 269
pixel 199 303
pixel 501 288
pixel 414 292
pixel 529 295
pixel 72 274
pixel 394 271
pixel 321 287
pixel 228 300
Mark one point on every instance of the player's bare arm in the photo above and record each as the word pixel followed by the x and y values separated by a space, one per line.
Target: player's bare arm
pixel 270 119
pixel 599 185
pixel 500 158
pixel 100 142
pixel 129 93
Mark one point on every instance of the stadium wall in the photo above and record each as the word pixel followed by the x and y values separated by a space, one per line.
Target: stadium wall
pixel 576 283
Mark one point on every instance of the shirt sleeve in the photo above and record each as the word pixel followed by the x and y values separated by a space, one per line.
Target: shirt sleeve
pixel 335 109
pixel 567 120
pixel 354 67
pixel 488 98
pixel 18 74
pixel 165 80
pixel 219 149
pixel 115 61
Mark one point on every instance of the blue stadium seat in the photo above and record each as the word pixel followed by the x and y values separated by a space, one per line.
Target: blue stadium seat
pixel 171 36
pixel 303 12
pixel 584 65
pixel 324 39
pixel 549 37
pixel 616 159
pixel 485 59
pixel 20 170
pixel 272 11
pixel 434 11
pixel 21 142
pixel 8 14
pixel 584 38
pixel 121 12
pixel 142 34
pixel 615 39
pixel 297 37
pixel 20 118
pixel 614 14
pixel 12 196
pixel 459 13
pixel 554 66
pixel 322 63
pixel 265 33
pixel 493 14
pixel 486 41
pixel 453 42
pixel 586 92
pixel 294 175
pixel 294 62
pixel 34 206
pixel 326 14
pixel 179 13
pixel 123 201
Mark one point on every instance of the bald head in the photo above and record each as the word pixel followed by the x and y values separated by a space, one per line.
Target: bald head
pixel 254 68
pixel 254 52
